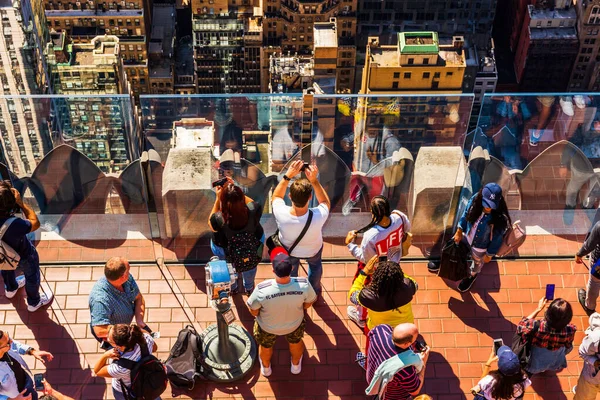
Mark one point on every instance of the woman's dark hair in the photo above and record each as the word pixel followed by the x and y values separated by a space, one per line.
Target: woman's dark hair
pixel 47 397
pixel 8 203
pixel 559 314
pixel 233 206
pixel 500 217
pixel 128 336
pixel 387 280
pixel 380 207
pixel 504 386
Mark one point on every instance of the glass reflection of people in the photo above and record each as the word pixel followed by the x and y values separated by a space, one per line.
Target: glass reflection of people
pixel 243 173
pixel 581 171
pixel 544 104
pixel 283 146
pixel 377 147
pixel 511 113
pixel 232 138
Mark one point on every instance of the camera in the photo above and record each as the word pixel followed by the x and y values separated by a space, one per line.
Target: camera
pixel 420 345
pixel 306 165
pixel 220 182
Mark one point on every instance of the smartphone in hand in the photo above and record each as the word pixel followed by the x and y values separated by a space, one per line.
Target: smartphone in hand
pixel 38 381
pixel 497 344
pixel 550 291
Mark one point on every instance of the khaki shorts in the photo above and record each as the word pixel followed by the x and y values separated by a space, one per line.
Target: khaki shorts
pixel 267 340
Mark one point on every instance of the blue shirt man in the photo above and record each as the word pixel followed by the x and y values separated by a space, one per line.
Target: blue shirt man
pixel 115 299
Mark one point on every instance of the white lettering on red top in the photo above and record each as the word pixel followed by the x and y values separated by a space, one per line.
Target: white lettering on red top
pixel 394 239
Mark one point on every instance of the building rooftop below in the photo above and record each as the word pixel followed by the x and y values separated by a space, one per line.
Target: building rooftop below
pixel 163 30
pixel 192 133
pixel 325 34
pixel 161 69
pixel 387 56
pixel 418 42
pixel 553 33
pixel 184 57
pixel 545 13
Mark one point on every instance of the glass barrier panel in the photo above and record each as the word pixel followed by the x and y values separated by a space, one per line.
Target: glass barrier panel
pixel 363 145
pixel 197 140
pixel 75 160
pixel 543 150
pixel 406 148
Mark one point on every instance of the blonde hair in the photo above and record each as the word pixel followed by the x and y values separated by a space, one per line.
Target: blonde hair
pixel 423 397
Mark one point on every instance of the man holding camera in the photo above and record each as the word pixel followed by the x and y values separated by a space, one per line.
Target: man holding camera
pixel 392 349
pixel 292 220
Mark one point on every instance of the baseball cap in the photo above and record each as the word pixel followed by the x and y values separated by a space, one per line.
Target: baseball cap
pixel 282 265
pixel 508 362
pixel 492 193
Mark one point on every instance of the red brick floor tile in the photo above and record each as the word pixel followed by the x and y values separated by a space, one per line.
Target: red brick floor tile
pixel 460 328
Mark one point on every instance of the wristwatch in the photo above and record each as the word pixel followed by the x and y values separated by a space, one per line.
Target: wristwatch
pixel 362 272
pixel 286 177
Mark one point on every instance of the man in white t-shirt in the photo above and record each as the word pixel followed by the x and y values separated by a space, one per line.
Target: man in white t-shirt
pixel 291 220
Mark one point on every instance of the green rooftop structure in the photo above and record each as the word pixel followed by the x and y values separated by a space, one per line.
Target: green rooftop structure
pixel 418 42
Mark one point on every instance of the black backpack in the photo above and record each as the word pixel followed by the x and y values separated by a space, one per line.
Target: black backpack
pixel 148 376
pixel 184 362
pixel 242 251
pixel 455 261
pixel 523 348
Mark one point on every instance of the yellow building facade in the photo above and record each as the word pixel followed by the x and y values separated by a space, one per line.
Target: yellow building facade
pixel 418 64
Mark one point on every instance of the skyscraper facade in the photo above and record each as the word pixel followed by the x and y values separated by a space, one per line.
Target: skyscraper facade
pixel 586 72
pixel 128 20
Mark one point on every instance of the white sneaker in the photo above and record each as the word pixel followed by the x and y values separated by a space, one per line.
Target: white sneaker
pixel 11 293
pixel 44 300
pixel 574 390
pixel 353 315
pixel 579 101
pixel 567 106
pixel 264 371
pixel 296 369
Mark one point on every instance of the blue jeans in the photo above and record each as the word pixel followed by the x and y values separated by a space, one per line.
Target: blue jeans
pixel 31 271
pixel 315 270
pixel 248 276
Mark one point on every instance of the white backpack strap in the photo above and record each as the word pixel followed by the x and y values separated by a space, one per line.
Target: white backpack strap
pixel 5 226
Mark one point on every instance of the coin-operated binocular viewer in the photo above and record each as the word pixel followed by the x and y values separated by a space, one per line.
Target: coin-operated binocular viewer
pixel 229 350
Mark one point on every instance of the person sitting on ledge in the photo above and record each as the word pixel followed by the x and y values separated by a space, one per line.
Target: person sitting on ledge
pixel 115 299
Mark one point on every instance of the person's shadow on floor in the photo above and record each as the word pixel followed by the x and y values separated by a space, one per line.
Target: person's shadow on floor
pixel 440 378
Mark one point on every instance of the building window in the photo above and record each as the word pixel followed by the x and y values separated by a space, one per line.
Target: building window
pixel 394 85
pixel 425 61
pixel 411 61
pixel 435 84
pixel 449 73
pixel 436 74
pixel 426 75
pixel 396 75
pixel 407 75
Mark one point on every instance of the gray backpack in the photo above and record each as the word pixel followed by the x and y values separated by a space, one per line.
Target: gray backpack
pixel 9 258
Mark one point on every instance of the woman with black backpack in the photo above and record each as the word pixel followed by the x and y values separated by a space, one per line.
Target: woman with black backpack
pixel 238 236
pixel 483 225
pixel 127 342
